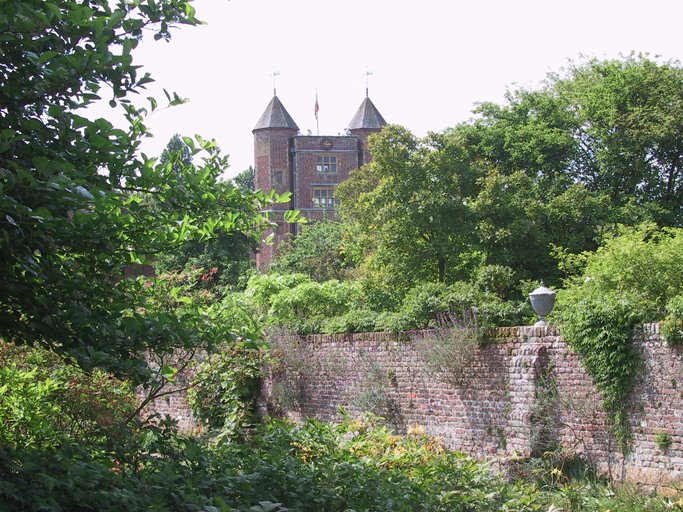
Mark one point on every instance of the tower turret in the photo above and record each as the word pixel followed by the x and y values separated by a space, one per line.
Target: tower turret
pixel 272 139
pixel 273 136
pixel 367 120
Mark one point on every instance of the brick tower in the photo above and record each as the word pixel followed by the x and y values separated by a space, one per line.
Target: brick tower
pixel 366 121
pixel 273 136
pixel 307 166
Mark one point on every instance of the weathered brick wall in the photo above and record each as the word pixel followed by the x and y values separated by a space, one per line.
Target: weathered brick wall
pixel 172 398
pixel 494 406
pixel 655 407
pixel 491 407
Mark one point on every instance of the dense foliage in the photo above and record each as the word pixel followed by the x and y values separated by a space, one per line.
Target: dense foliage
pixel 45 404
pixel 546 173
pixel 466 219
pixel 302 305
pixel 78 203
pixel 245 179
pixel 357 465
pixel 225 387
pixel 476 216
pixel 632 278
pixel 614 126
pixel 321 250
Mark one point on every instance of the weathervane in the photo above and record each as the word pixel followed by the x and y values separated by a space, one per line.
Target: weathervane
pixel 275 73
pixel 367 82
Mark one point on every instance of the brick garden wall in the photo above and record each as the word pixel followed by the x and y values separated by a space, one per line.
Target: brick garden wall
pixel 519 392
pixel 516 395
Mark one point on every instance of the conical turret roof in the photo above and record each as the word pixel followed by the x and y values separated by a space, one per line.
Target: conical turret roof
pixel 367 117
pixel 275 116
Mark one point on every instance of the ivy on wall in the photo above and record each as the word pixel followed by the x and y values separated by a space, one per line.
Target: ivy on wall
pixel 633 278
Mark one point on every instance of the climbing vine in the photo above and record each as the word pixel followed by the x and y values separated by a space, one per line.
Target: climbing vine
pixel 225 387
pixel 600 332
pixel 631 279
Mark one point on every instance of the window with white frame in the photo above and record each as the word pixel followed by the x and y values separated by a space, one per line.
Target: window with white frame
pixel 323 197
pixel 326 164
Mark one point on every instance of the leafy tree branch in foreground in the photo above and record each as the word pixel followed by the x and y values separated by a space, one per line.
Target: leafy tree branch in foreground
pixel 77 200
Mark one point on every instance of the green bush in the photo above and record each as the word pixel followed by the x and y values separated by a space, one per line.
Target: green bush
pixel 261 288
pixel 633 277
pixel 29 413
pixel 312 300
pixel 319 251
pixel 423 303
pixel 45 402
pixel 225 386
pixel 355 466
pixel 672 325
pixel 496 279
pixel 358 465
pixel 355 320
pixel 301 305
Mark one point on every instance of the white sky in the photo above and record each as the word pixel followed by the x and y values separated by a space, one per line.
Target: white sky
pixel 432 60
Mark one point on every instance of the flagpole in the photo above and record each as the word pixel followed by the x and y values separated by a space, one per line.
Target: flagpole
pixel 317 122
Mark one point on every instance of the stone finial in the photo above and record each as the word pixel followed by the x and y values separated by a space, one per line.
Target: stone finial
pixel 542 301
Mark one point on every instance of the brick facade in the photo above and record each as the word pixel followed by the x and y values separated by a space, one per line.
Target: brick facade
pixel 288 162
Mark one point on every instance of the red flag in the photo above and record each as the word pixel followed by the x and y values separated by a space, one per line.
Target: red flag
pixel 316 106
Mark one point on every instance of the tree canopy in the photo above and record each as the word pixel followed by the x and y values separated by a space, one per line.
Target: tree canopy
pixel 321 250
pixel 614 126
pixel 78 202
pixel 245 179
pixel 410 203
pixel 547 171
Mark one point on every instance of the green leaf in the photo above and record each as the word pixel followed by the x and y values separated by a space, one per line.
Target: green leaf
pixel 46 56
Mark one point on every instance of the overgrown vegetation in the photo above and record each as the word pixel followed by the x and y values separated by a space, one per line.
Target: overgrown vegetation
pixel 465 219
pixel 357 465
pixel 45 403
pixel 290 365
pixel 576 183
pixel 80 206
pixel 633 277
pixel 225 386
pixel 302 305
pixel 449 349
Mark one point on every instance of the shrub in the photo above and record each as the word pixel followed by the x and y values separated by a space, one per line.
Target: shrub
pixel 261 288
pixel 319 251
pixel 672 325
pixel 497 279
pixel 355 320
pixel 29 413
pixel 45 401
pixel 305 307
pixel 633 277
pixel 663 441
pixel 225 386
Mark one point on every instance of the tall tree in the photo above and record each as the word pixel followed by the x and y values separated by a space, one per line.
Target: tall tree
pixel 615 126
pixel 245 179
pixel 320 250
pixel 75 194
pixel 411 201
pixel 630 133
pixel 176 154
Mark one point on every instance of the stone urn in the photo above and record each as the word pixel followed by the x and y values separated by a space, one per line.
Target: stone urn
pixel 542 301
